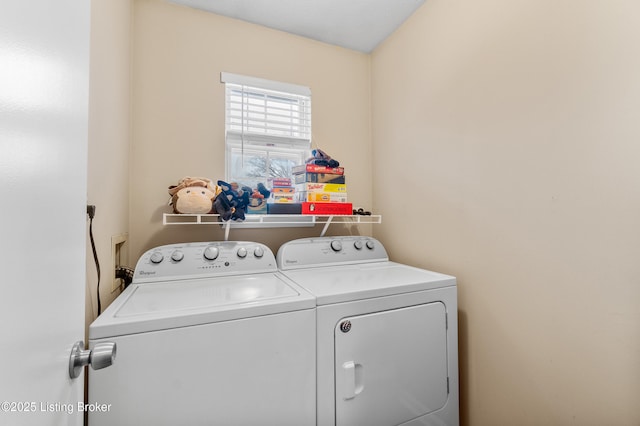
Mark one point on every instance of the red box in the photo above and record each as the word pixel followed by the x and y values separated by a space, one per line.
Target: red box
pixel 312 168
pixel 327 208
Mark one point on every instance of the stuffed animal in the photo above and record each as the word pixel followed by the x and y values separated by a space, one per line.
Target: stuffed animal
pixel 231 202
pixel 256 198
pixel 321 158
pixel 262 190
pixel 193 195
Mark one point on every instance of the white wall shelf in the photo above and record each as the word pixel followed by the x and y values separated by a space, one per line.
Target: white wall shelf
pixel 268 220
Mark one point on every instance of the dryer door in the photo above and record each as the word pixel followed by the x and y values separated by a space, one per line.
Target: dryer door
pixel 391 366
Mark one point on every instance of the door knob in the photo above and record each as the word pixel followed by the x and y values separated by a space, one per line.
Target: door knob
pixel 102 355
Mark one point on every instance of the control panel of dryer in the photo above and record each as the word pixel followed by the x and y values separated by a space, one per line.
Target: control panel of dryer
pixel 203 259
pixel 328 251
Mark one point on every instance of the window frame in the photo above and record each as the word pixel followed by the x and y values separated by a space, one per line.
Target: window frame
pixel 284 111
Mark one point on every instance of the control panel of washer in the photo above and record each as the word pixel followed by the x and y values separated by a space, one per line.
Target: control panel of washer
pixel 326 251
pixel 203 259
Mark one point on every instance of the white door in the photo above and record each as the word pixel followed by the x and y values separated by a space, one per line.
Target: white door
pixel 391 366
pixel 44 71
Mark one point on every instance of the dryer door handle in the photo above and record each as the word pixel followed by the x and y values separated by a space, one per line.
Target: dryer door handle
pixel 353 380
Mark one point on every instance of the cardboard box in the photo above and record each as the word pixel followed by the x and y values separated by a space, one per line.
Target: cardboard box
pixel 283 190
pixel 278 181
pixel 318 178
pixel 312 168
pixel 327 208
pixel 281 198
pixel 320 197
pixel 321 187
pixel 284 208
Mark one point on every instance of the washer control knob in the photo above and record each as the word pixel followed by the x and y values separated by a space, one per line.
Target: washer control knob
pixel 211 253
pixel 242 252
pixel 336 245
pixel 358 245
pixel 177 256
pixel 258 252
pixel 370 244
pixel 156 257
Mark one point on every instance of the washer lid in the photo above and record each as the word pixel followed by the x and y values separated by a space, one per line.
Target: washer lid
pixel 142 308
pixel 337 284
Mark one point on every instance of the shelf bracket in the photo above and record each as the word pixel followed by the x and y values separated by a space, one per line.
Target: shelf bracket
pixel 227 228
pixel 326 226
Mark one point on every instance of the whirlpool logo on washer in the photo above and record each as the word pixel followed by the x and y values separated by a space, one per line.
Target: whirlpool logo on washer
pixel 290 262
pixel 147 272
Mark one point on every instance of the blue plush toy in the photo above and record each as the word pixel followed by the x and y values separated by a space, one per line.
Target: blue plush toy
pixel 320 158
pixel 232 202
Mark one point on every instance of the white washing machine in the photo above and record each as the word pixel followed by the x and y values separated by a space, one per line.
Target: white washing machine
pixel 207 334
pixel 387 341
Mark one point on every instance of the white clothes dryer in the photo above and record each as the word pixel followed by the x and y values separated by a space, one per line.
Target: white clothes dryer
pixel 387 340
pixel 207 334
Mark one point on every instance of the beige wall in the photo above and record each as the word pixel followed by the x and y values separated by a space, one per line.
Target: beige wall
pixel 178 110
pixel 109 136
pixel 505 137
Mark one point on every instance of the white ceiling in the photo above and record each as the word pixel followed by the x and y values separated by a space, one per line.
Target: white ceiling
pixel 355 24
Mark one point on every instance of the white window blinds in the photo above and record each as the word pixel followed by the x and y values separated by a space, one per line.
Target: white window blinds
pixel 264 112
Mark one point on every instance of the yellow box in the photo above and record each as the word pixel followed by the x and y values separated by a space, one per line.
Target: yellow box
pixel 321 187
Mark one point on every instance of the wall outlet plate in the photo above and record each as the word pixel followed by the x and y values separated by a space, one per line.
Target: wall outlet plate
pixel 117 257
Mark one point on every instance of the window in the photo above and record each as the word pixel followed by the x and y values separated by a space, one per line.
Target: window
pixel 267 128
